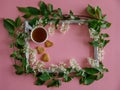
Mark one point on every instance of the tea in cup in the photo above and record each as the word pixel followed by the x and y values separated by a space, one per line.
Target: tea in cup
pixel 39 35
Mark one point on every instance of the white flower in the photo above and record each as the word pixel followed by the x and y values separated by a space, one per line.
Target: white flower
pixel 51 28
pixel 58 68
pixel 64 27
pixel 38 22
pixel 100 54
pixel 93 34
pixel 39 66
pixel 79 24
pixel 62 63
pixel 93 63
pixel 32 56
pixel 74 64
pixel 53 68
pixel 61 67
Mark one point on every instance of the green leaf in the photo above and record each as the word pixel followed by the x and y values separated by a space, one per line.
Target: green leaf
pixel 99 76
pixel 104 17
pixel 99 12
pixel 18 56
pixel 14 54
pixel 50 7
pixel 23 9
pixel 28 15
pixel 81 73
pixel 105 70
pixel 29 70
pixel 33 21
pixel 45 21
pixel 95 24
pixel 20 41
pixel 61 74
pixel 104 43
pixel 55 14
pixel 56 23
pixel 45 76
pixel 94 12
pixel 42 5
pixel 89 80
pixel 81 81
pixel 18 22
pixel 106 25
pixel 104 35
pixel 10 21
pixel 10 26
pixel 59 12
pixel 52 74
pixel 72 15
pixel 54 82
pixel 12 45
pixel 39 82
pixel 67 78
pixel 24 63
pixel 19 46
pixel 43 9
pixel 29 11
pixel 91 10
pixel 94 43
pixel 91 71
pixel 69 69
pixel 33 11
pixel 101 68
pixel 19 69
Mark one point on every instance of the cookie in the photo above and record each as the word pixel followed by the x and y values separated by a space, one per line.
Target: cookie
pixel 45 57
pixel 48 43
pixel 40 49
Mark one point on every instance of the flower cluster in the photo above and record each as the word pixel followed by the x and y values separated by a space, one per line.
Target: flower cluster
pixel 37 23
pixel 93 34
pixel 65 27
pixel 35 64
pixel 93 62
pixel 74 64
pixel 51 29
pixel 32 56
pixel 40 66
pixel 100 54
pixel 58 68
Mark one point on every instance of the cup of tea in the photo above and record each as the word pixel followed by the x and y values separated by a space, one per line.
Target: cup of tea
pixel 39 35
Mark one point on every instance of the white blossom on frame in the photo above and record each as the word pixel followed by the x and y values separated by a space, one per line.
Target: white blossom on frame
pixel 74 64
pixel 65 27
pixel 93 63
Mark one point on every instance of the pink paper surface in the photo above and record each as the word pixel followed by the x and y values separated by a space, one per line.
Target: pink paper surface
pixel 73 44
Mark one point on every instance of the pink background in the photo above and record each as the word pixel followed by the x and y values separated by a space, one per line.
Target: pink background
pixel 72 44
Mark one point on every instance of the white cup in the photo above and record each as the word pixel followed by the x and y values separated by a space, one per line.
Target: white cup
pixel 39 35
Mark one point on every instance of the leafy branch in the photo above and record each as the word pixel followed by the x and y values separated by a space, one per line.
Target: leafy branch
pixel 87 76
pixel 96 24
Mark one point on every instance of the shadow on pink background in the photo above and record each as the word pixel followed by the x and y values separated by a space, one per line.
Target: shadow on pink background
pixel 75 40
